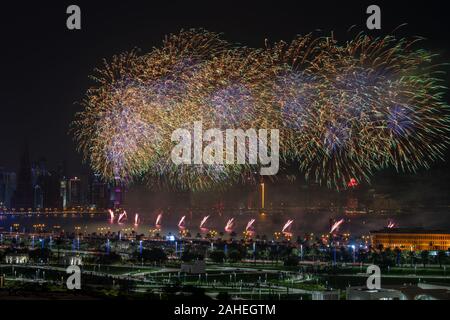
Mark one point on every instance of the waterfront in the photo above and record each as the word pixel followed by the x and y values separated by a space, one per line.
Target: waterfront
pixel 305 222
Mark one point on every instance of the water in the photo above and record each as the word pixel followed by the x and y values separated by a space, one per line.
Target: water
pixel 305 221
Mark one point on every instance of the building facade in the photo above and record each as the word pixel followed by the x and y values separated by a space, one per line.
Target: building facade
pixel 98 193
pixel 7 188
pixel 411 239
pixel 74 192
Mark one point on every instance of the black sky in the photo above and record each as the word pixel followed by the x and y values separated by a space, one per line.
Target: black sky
pixel 45 67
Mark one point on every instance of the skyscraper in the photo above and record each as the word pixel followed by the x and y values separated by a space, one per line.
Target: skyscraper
pixel 74 192
pixel 117 194
pixel 98 193
pixel 7 187
pixel 23 197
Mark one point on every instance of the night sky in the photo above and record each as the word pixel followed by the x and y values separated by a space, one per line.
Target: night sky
pixel 45 66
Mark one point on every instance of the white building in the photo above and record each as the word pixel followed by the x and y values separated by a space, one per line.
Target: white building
pixel 73 260
pixel 16 259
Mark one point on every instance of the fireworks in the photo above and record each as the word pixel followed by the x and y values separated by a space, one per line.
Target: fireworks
pixel 158 221
pixel 122 216
pixel 344 111
pixel 391 225
pixel 181 223
pixel 111 215
pixel 250 227
pixel 336 226
pixel 229 226
pixel 203 222
pixel 287 226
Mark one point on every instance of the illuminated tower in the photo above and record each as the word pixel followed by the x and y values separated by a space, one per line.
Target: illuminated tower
pixel 117 193
pixel 74 192
pixel 63 193
pixel 263 196
pixel 24 192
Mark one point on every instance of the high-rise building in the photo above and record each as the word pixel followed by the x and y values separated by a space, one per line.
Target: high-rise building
pixel 23 197
pixel 63 192
pixel 51 194
pixel 74 192
pixel 117 193
pixel 7 187
pixel 38 197
pixel 98 193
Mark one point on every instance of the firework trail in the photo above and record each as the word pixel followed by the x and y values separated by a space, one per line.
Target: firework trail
pixel 181 223
pixel 391 225
pixel 136 219
pixel 202 223
pixel 229 226
pixel 336 225
pixel 122 216
pixel 111 214
pixel 287 226
pixel 158 221
pixel 250 224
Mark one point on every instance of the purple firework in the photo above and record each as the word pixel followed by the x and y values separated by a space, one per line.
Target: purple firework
pixel 399 120
pixel 232 105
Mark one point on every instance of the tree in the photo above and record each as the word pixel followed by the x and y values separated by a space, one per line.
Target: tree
pixel 59 243
pixel 387 258
pixel 190 255
pixel 398 255
pixel 110 258
pixel 154 255
pixel 424 256
pixel 263 254
pixel 442 256
pixel 362 255
pixel 291 261
pixel 235 256
pixel 345 256
pixel 218 256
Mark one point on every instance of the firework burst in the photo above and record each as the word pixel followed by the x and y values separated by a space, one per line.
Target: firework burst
pixel 344 111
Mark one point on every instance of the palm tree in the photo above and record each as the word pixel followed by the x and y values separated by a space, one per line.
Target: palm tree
pixel 412 256
pixel 441 257
pixel 58 243
pixel 424 255
pixel 398 254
